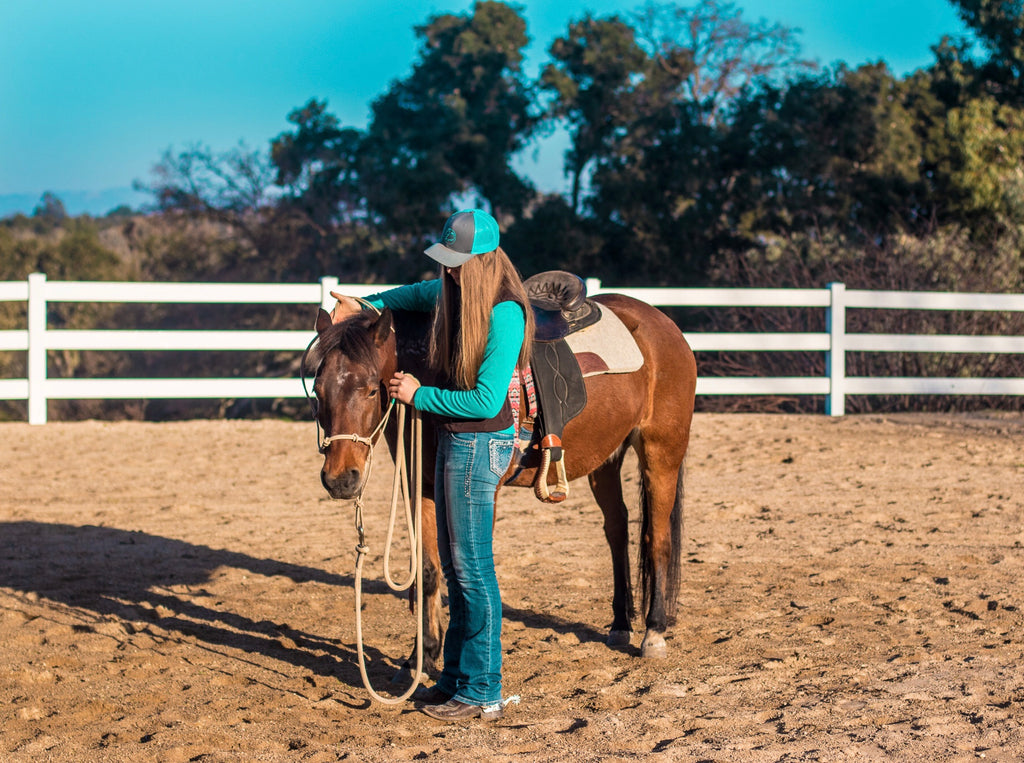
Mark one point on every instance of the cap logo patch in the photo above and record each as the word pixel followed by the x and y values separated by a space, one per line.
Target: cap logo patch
pixel 449 237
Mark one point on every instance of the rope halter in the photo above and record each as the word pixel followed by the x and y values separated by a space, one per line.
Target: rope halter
pixel 369 441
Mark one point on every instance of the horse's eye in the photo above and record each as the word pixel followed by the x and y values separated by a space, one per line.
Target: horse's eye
pixel 373 392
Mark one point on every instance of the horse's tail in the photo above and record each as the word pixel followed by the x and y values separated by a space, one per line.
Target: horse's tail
pixel 646 562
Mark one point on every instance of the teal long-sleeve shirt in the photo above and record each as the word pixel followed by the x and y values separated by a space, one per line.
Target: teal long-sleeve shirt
pixel 504 340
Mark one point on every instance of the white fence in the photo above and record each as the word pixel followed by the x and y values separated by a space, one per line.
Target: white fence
pixel 37 339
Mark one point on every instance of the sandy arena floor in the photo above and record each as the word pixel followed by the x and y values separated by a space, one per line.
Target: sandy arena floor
pixel 183 592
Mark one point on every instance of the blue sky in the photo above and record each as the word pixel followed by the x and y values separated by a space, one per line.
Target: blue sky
pixel 92 93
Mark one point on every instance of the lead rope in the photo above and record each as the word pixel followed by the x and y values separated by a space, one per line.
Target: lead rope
pixel 414 517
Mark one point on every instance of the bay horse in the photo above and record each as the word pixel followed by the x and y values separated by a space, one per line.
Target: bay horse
pixel 649 409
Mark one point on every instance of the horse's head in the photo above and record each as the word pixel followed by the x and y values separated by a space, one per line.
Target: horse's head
pixel 352 362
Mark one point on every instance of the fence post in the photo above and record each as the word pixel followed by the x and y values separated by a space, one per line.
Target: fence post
pixel 835 358
pixel 37 348
pixel 327 285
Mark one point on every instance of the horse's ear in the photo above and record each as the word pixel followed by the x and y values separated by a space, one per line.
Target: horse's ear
pixel 323 320
pixel 383 327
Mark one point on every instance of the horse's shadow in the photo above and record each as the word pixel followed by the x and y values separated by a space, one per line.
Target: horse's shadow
pixel 585 633
pixel 134 576
pixel 131 576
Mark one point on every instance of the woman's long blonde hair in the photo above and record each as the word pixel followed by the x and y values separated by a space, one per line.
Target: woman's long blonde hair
pixel 463 316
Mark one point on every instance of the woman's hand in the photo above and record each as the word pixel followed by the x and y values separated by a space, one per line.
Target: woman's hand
pixel 402 387
pixel 344 308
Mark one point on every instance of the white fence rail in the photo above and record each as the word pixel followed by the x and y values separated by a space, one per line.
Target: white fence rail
pixel 37 339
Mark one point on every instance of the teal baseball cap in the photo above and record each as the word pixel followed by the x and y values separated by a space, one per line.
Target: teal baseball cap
pixel 465 235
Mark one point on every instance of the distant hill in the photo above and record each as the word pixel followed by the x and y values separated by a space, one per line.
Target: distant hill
pixel 94 203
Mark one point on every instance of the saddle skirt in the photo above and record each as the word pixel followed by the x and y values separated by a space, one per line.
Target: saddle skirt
pixel 605 347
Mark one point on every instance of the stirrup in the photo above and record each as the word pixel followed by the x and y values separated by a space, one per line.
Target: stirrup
pixel 540 488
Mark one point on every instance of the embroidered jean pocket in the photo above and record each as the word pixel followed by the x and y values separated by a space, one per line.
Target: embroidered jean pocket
pixel 501 455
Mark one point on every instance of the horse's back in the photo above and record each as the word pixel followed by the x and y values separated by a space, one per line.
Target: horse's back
pixel 669 365
pixel 659 338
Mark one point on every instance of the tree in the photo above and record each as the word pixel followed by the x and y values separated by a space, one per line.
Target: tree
pixel 50 208
pixel 715 53
pixel 664 191
pixel 234 223
pixel 654 126
pixel 953 79
pixel 229 189
pixel 318 165
pixel 999 27
pixel 223 185
pixel 982 170
pixel 454 124
pixel 592 87
pixel 552 236
pixel 70 251
pixel 835 150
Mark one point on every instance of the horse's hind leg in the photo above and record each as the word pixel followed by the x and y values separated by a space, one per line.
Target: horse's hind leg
pixel 606 484
pixel 661 539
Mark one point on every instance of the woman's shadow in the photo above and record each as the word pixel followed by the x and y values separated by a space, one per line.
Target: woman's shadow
pixel 128 576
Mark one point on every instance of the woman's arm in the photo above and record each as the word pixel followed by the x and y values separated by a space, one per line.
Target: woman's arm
pixel 420 297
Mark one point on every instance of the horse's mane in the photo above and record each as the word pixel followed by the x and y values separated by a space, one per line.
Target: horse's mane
pixel 352 337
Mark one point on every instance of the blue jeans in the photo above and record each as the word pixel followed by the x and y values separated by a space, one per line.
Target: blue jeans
pixel 469 468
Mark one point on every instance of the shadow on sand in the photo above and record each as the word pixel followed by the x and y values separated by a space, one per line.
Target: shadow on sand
pixel 132 576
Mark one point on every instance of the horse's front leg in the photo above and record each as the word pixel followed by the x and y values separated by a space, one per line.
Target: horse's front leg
pixel 433 631
pixel 433 634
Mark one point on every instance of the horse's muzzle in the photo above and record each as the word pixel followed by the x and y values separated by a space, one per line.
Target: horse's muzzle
pixel 344 485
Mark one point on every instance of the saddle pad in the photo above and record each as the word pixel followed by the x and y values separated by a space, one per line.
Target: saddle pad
pixel 606 347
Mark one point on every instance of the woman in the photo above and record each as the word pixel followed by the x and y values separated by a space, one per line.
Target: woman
pixel 482 327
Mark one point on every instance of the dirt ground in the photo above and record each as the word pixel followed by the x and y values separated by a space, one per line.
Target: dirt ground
pixel 183 592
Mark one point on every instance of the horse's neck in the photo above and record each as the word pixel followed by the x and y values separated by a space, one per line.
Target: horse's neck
pixel 389 362
pixel 412 334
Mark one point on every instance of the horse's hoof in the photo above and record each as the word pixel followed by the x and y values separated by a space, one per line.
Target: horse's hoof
pixel 403 676
pixel 618 638
pixel 653 646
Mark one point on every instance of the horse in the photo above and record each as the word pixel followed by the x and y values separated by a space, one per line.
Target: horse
pixel 649 409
